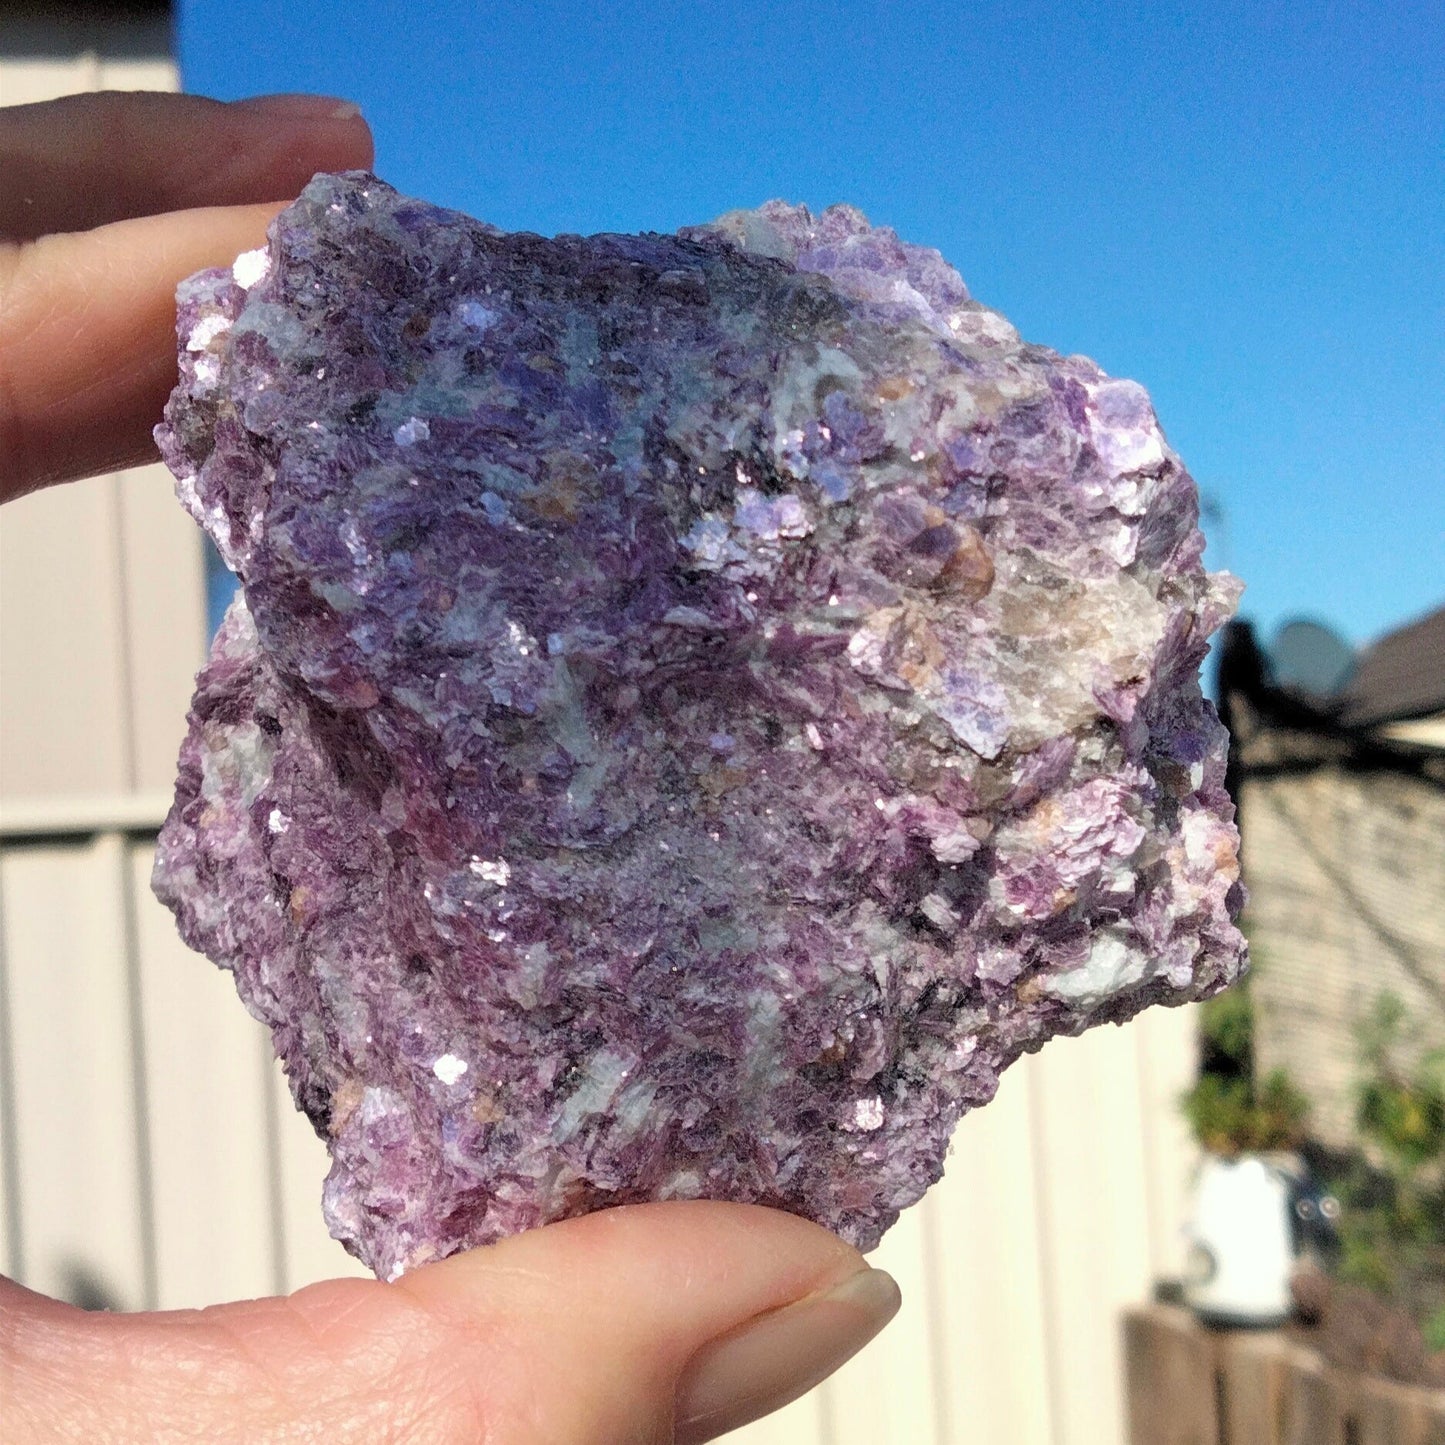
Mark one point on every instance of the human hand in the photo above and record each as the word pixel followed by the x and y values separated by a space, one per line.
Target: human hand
pixel 650 1323
pixel 643 1325
pixel 106 202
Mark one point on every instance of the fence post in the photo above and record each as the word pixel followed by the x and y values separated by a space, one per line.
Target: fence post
pixel 1316 1408
pixel 1188 1385
pixel 1434 1433
pixel 1252 1371
pixel 1391 1414
pixel 1171 1380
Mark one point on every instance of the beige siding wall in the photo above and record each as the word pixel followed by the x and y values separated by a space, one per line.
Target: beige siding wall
pixel 149 1152
pixel 100 634
pixel 138 1101
pixel 1346 873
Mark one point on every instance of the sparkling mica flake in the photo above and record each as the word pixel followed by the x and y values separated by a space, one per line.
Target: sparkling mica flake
pixel 699 708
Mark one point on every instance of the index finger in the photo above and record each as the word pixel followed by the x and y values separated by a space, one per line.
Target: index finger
pixel 88 341
pixel 87 316
pixel 85 160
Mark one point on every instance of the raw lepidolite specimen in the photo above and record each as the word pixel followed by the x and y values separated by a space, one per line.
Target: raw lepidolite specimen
pixel 700 707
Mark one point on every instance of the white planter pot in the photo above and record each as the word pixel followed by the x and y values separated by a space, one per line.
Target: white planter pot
pixel 1241 1242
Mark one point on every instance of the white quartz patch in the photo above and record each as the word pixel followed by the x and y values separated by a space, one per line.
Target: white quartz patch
pixel 493 870
pixel 868 1114
pixel 604 1075
pixel 1112 966
pixel 250 267
pixel 206 330
pixel 449 1068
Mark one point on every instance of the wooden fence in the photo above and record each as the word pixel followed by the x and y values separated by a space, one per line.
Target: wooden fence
pixel 1192 1386
pixel 149 1153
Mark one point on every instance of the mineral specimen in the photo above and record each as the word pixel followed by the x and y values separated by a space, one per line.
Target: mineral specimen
pixel 700 707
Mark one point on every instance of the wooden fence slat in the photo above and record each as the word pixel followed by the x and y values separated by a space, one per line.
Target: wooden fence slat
pixel 1435 1418
pixel 1188 1385
pixel 986 1297
pixel 1316 1413
pixel 79 1129
pixel 1390 1414
pixel 1252 1396
pixel 206 1084
pixel 1169 1363
pixel 1330 1399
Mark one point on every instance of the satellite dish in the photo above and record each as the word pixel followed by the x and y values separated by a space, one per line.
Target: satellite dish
pixel 1310 657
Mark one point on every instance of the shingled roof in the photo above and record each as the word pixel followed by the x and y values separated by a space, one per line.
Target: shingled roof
pixel 1400 676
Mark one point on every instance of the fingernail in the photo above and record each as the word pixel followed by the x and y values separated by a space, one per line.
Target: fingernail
pixel 302 107
pixel 780 1355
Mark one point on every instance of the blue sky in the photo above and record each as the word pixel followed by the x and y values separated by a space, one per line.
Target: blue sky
pixel 1240 205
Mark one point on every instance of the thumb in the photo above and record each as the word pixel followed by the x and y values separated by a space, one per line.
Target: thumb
pixel 650 1323
pixel 706 1315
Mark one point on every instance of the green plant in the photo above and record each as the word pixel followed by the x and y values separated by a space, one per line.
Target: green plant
pixel 1406 1119
pixel 1365 1258
pixel 1392 1189
pixel 1401 1111
pixel 1235 1115
pixel 1229 1109
pixel 1226 1024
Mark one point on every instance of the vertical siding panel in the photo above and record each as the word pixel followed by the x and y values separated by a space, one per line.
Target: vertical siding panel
pixel 887 1394
pixel 77 1125
pixel 146 67
pixel 40 77
pixel 119 847
pixel 164 600
pixel 95 579
pixel 61 638
pixel 270 1116
pixel 987 1284
pixel 1089 1132
pixel 12 1237
pixel 1168 1044
pixel 311 1253
pixel 205 1083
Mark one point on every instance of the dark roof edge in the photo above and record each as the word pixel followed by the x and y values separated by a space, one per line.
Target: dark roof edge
pixel 1243 672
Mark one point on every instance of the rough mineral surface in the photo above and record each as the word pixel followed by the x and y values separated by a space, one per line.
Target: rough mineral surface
pixel 701 707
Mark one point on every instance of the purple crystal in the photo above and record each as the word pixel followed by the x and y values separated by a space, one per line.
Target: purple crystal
pixel 700 708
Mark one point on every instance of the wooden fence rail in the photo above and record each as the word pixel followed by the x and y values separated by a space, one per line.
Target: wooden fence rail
pixel 1189 1385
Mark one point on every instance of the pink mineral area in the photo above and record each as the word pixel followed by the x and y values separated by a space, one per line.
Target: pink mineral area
pixel 698 709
